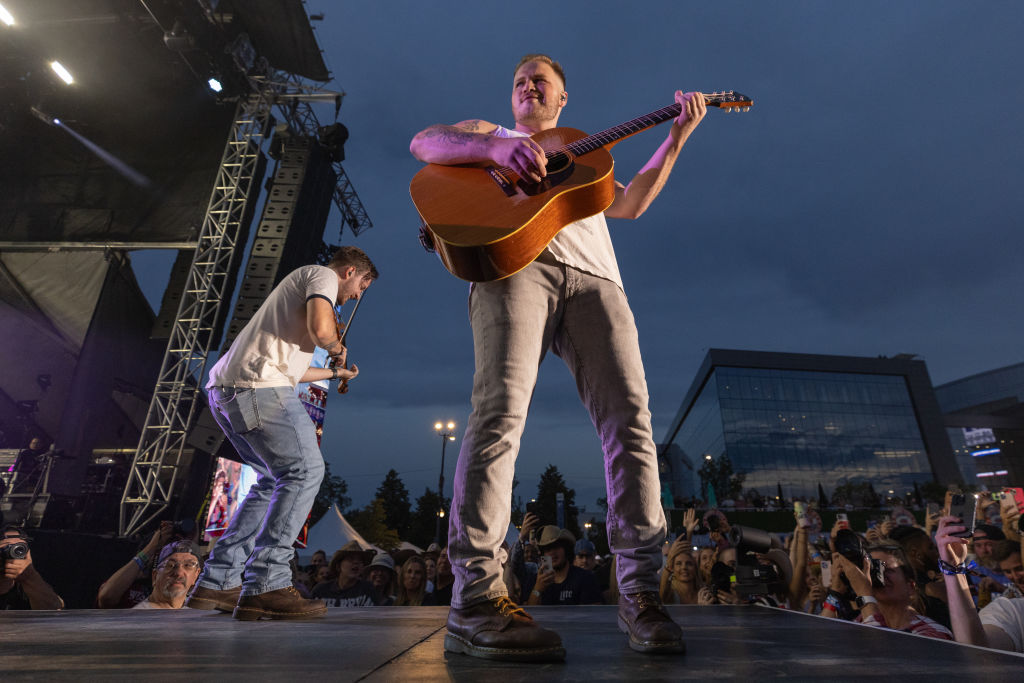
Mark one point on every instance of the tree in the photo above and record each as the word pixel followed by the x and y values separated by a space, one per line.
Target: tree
pixel 517 505
pixel 332 492
pixel 370 523
pixel 424 520
pixel 859 494
pixel 395 498
pixel 552 483
pixel 719 473
pixel 822 499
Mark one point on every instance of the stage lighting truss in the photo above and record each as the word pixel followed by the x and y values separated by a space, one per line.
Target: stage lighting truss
pixel 172 410
pixel 155 470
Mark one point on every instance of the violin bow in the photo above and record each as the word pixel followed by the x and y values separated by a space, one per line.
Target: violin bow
pixel 342 335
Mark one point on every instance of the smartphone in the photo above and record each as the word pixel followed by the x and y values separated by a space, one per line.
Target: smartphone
pixel 964 506
pixel 800 510
pixel 826 573
pixel 844 521
pixel 1018 497
pixel 544 564
pixel 872 523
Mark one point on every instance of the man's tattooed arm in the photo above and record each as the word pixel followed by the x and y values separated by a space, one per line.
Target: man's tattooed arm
pixel 449 135
pixel 465 142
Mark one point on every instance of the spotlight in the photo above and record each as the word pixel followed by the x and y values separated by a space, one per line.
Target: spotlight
pixel 215 85
pixel 333 139
pixel 64 74
pixel 44 117
pixel 282 132
pixel 6 16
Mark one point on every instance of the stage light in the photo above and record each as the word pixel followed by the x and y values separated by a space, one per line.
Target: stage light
pixel 215 85
pixel 44 117
pixel 6 16
pixel 333 138
pixel 64 74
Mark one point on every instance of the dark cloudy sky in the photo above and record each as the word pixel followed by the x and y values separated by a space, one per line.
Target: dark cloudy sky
pixel 869 203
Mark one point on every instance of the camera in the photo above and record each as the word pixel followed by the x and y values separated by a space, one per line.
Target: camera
pixel 754 577
pixel 14 551
pixel 850 546
pixel 721 577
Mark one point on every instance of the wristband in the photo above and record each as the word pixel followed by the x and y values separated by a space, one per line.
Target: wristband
pixel 833 602
pixel 952 570
pixel 828 605
pixel 141 562
pixel 334 372
pixel 865 600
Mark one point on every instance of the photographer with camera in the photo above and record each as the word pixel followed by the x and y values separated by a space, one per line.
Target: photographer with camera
pixel 884 587
pixel 21 586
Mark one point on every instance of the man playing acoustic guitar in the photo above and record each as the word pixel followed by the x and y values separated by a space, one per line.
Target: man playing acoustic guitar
pixel 570 299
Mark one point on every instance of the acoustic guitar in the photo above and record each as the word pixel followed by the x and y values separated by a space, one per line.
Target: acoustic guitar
pixel 487 223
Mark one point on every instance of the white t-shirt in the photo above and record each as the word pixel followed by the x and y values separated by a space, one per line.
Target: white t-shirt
pixel 1008 615
pixel 274 349
pixel 585 244
pixel 145 604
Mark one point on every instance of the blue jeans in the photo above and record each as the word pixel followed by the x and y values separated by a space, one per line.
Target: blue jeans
pixel 275 436
pixel 587 322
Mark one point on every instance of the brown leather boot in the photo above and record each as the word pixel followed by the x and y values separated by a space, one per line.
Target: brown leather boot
pixel 499 629
pixel 284 603
pixel 650 628
pixel 202 597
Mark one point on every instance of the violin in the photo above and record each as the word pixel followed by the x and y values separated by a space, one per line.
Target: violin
pixel 342 334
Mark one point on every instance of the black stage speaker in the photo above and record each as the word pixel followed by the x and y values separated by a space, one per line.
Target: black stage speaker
pixel 290 230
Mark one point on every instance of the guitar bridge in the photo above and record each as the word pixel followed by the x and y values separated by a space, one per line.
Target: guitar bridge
pixel 502 181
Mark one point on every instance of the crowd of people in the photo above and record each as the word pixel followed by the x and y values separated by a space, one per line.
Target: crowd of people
pixel 934 580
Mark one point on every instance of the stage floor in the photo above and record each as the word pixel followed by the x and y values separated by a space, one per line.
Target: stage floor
pixel 391 643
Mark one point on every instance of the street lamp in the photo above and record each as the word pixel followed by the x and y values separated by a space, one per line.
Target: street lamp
pixel 447 433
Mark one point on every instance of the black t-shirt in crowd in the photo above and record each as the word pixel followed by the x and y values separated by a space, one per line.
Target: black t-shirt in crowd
pixel 579 588
pixel 15 599
pixel 443 596
pixel 362 594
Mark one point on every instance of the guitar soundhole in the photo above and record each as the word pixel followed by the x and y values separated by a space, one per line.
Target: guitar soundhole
pixel 560 166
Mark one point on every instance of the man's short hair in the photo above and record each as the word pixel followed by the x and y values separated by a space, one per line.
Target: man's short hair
pixel 538 57
pixel 353 256
pixel 1005 549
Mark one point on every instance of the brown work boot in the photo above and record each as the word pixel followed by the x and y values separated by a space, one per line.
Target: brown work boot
pixel 284 603
pixel 499 629
pixel 202 597
pixel 648 624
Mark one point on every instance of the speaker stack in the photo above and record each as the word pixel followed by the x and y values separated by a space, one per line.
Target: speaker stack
pixel 291 228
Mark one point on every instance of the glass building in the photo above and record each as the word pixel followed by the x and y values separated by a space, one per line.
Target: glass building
pixel 799 420
pixel 984 414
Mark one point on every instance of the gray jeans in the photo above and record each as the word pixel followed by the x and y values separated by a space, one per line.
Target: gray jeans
pixel 587 322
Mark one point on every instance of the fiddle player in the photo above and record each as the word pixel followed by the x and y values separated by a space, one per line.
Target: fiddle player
pixel 253 399
pixel 569 300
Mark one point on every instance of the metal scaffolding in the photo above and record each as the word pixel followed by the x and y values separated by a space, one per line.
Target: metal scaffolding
pixel 154 470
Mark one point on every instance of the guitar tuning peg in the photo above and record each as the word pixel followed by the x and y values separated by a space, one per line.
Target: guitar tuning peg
pixel 746 109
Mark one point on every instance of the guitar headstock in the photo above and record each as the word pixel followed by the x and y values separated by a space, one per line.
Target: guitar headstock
pixel 729 101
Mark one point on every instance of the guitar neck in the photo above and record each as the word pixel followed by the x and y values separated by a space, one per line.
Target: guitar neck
pixel 624 130
pixel 728 101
